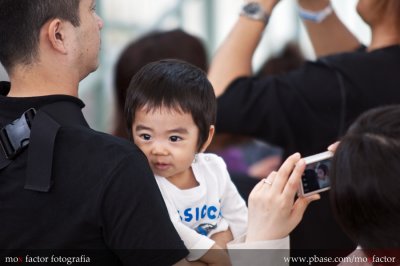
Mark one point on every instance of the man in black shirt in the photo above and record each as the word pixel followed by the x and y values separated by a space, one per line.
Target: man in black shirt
pixel 64 188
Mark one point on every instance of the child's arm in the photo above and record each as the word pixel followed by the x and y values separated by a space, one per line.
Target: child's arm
pixel 196 243
pixel 216 256
pixel 222 238
pixel 185 262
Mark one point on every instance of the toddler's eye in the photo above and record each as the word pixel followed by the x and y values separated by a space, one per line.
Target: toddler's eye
pixel 145 136
pixel 175 138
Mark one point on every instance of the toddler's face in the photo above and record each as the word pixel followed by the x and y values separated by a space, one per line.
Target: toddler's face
pixel 169 140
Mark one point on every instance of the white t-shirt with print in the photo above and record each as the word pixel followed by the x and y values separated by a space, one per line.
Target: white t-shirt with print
pixel 213 206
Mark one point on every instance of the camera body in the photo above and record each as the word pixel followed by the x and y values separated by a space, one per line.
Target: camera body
pixel 315 178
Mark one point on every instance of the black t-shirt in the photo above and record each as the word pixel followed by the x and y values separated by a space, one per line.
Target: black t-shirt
pixel 301 111
pixel 104 201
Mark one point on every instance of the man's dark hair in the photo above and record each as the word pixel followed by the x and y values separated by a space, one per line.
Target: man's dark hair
pixel 20 24
pixel 177 85
pixel 366 179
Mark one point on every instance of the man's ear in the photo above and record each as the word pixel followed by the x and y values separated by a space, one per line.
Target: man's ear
pixel 209 139
pixel 56 34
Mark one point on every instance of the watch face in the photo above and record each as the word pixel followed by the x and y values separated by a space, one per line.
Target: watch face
pixel 252 8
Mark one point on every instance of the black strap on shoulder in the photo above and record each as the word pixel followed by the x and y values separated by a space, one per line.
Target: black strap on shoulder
pixel 40 153
pixel 4 162
pixel 47 123
pixel 14 137
pixel 39 130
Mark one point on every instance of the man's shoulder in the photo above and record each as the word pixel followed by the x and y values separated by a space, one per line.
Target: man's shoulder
pixel 88 141
pixel 86 153
pixel 361 57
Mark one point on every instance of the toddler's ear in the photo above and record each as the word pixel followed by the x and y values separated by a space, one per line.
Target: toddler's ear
pixel 209 139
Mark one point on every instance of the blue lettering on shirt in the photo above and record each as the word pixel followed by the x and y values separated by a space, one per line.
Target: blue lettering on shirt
pixel 188 215
pixel 203 211
pixel 199 213
pixel 212 209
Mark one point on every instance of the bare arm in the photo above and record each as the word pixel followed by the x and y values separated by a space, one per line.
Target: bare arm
pixel 184 262
pixel 331 35
pixel 233 58
pixel 222 238
pixel 215 256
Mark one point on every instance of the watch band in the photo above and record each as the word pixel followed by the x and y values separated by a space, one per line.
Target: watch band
pixel 254 11
pixel 317 16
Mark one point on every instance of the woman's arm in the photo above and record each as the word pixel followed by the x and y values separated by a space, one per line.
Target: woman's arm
pixel 273 214
pixel 273 210
pixel 234 56
pixel 330 36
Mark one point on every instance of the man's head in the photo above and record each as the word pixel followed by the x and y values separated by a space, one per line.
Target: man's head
pixel 27 26
pixel 175 85
pixel 366 179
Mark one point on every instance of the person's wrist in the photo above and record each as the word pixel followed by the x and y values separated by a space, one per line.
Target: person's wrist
pixel 316 16
pixel 313 5
pixel 263 236
pixel 254 10
pixel 267 5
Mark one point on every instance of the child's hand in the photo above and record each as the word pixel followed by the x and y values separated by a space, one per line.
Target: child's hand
pixel 222 238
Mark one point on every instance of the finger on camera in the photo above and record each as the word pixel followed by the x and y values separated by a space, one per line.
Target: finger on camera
pixel 293 184
pixel 284 172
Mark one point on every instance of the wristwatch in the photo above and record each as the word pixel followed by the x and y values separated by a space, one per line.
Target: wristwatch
pixel 254 11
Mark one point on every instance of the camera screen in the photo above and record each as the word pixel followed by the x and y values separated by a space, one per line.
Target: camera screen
pixel 316 176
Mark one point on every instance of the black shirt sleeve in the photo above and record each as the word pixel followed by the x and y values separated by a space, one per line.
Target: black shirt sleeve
pixel 298 111
pixel 135 219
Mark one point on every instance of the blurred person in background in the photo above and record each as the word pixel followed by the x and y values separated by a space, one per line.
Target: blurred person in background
pixel 249 159
pixel 310 107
